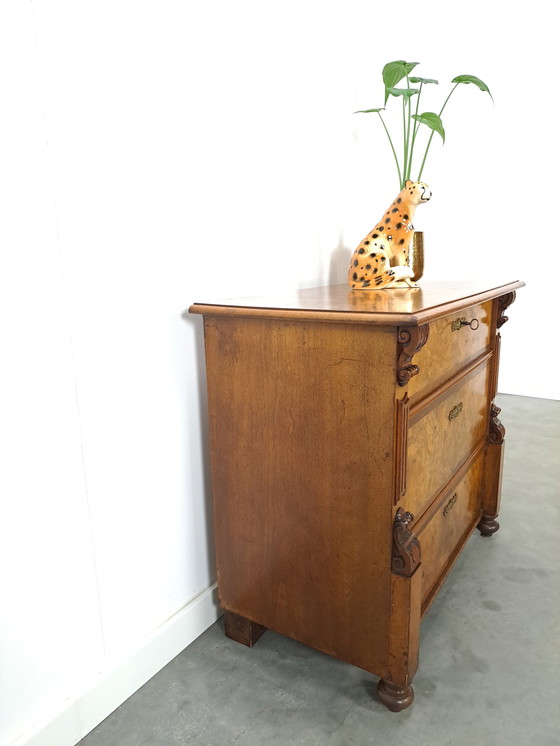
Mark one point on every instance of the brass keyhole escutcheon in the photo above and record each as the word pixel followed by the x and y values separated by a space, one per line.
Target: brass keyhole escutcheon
pixel 450 505
pixel 460 323
pixel 456 411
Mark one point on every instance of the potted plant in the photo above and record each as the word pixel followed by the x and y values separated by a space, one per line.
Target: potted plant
pixel 384 258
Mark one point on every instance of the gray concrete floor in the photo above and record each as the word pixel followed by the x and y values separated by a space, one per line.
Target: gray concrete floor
pixel 489 658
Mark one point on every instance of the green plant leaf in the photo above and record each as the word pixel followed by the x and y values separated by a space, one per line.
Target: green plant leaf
pixel 369 111
pixel 406 92
pixel 423 80
pixel 433 121
pixel 395 71
pixel 473 79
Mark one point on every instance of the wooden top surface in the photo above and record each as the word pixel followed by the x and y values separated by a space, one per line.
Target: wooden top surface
pixel 399 307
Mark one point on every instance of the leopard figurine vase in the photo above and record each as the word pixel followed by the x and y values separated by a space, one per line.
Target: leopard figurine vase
pixel 387 258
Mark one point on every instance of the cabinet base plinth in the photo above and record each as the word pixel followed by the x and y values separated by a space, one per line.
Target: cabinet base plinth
pixel 242 630
pixel 394 696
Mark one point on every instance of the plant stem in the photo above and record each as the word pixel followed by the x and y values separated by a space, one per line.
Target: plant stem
pixel 431 136
pixel 414 130
pixel 392 147
pixel 406 166
pixel 404 140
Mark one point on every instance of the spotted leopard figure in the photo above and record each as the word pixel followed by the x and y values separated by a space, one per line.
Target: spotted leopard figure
pixel 382 259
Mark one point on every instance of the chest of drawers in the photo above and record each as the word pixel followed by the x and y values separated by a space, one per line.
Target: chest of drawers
pixel 355 446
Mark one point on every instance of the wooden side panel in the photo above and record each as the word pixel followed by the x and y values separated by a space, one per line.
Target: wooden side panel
pixel 301 421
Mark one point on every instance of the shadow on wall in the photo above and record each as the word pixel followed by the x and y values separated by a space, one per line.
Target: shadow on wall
pixel 198 325
pixel 340 261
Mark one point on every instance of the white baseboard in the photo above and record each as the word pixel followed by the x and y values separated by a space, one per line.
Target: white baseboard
pixel 82 713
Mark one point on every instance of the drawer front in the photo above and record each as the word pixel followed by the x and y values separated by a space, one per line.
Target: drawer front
pixel 450 346
pixel 440 440
pixel 443 536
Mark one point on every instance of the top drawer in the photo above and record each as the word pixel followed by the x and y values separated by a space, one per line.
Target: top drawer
pixel 450 346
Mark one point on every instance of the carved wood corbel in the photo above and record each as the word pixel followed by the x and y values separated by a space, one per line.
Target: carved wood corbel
pixel 411 339
pixel 496 431
pixel 503 302
pixel 406 547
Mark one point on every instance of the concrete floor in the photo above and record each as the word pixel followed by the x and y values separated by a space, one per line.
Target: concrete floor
pixel 489 658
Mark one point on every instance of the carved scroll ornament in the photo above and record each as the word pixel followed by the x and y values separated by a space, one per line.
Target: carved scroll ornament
pixel 504 301
pixel 497 431
pixel 411 339
pixel 406 547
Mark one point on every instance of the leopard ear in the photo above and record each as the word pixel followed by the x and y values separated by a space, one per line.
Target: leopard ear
pixel 408 183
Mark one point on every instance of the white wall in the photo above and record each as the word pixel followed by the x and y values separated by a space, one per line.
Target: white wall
pixel 153 153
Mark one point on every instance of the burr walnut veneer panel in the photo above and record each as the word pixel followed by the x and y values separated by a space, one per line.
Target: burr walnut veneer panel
pixel 354 447
pixel 453 345
pixel 442 436
pixel 456 515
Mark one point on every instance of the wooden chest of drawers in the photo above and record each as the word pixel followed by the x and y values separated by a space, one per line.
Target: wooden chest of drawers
pixel 355 446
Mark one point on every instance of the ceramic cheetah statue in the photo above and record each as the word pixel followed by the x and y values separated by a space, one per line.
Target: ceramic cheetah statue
pixel 382 259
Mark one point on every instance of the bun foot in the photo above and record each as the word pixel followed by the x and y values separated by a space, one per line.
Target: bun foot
pixel 488 526
pixel 394 696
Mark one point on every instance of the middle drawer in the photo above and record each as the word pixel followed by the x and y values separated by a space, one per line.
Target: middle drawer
pixel 442 435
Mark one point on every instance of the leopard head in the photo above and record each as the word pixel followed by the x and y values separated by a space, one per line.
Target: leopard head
pixel 417 192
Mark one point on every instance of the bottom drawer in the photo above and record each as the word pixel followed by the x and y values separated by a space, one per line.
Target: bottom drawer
pixel 442 537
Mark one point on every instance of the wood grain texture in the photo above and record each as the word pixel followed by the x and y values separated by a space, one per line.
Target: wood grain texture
pixel 336 303
pixel 446 351
pixel 438 443
pixel 458 511
pixel 301 421
pixel 342 497
pixel 394 689
pixel 492 488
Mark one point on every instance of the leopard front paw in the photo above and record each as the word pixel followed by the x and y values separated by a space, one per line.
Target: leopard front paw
pixel 402 272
